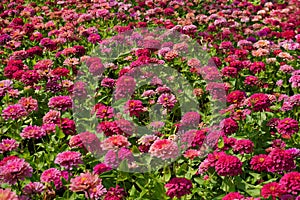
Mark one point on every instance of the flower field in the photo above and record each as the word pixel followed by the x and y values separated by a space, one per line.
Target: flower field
pixel 149 99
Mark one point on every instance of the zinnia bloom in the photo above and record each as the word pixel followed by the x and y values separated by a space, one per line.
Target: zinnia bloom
pixel 116 193
pixel 260 162
pixel 164 149
pixel 60 102
pixel 115 142
pixel 134 107
pixel 272 189
pixel 233 196
pixel 33 132
pixel 68 159
pixel 287 127
pixel 29 103
pixel 33 188
pixel 14 112
pixel 259 102
pixel 282 160
pixel 291 182
pixel 229 126
pixel 167 100
pixel 53 175
pixel 88 183
pixel 100 168
pixel 228 165
pixel 191 119
pixel 7 194
pixel 13 168
pixel 243 146
pixel 8 145
pixel 178 187
pixel 113 158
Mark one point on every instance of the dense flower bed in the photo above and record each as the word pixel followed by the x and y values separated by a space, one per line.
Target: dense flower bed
pixel 50 151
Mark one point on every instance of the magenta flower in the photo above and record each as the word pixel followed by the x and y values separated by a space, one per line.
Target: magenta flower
pixel 33 132
pixel 115 193
pixel 29 104
pixel 88 183
pixel 8 145
pixel 114 158
pixel 100 168
pixel 103 111
pixel 236 97
pixel 164 149
pixel 287 127
pixel 14 112
pixel 167 100
pixel 68 159
pixel 33 188
pixel 233 196
pixel 134 107
pixel 53 175
pixel 13 169
pixel 229 126
pixel 259 102
pixel 191 119
pixel 272 189
pixel 260 162
pixel 282 160
pixel 228 165
pixel 60 103
pixel 243 146
pixel 115 142
pixel 7 194
pixel 178 187
pixel 291 182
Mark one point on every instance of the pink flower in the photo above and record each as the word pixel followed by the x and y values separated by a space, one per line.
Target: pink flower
pixel 229 126
pixel 291 182
pixel 260 162
pixel 33 132
pixel 14 112
pixel 233 196
pixel 259 102
pixel 243 146
pixel 13 168
pixel 53 175
pixel 115 142
pixel 68 159
pixel 103 111
pixel 191 154
pixel 116 193
pixel 8 145
pixel 7 194
pixel 164 149
pixel 167 100
pixel 33 188
pixel 29 104
pixel 282 160
pixel 228 165
pixel 108 82
pixel 101 168
pixel 287 127
pixel 60 103
pixel 272 189
pixel 178 187
pixel 257 67
pixel 251 81
pixel 88 183
pixel 113 158
pixel 191 119
pixel 52 116
pixel 236 97
pixel 134 107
